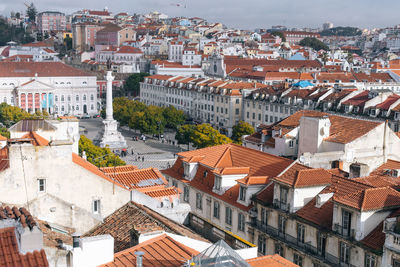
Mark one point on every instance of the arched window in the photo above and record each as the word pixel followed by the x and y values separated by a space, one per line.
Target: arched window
pixel 77 97
pixel 91 107
pixel 77 107
pixel 62 108
pixel 91 97
pixel 84 97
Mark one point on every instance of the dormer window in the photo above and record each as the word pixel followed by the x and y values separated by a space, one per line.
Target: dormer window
pixel 242 193
pixel 372 112
pixel 205 174
pixel 218 181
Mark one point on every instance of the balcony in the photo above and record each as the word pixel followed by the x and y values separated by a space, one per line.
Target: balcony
pixel 294 243
pixel 344 231
pixel 282 205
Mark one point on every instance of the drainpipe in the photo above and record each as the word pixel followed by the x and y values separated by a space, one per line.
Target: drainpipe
pixel 385 142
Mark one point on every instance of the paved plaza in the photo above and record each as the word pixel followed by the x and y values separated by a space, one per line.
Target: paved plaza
pixel 151 153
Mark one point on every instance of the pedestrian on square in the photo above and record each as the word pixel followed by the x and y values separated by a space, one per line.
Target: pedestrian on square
pixel 142 158
pixel 138 158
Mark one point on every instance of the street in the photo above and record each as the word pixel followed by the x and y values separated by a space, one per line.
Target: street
pixel 152 152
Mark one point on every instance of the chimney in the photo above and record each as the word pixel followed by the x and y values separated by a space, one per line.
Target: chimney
pixel 139 258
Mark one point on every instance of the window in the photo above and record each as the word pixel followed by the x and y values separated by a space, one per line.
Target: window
pixel 84 97
pixel 237 101
pixel 370 260
pixel 264 216
pixel 77 107
pixel 216 209
pixel 186 194
pixel 395 263
pixel 283 195
pixel 247 114
pixel 344 253
pixel 96 206
pixel 199 201
pixel 56 98
pixel 321 243
pixel 237 111
pixel 300 233
pixel 291 143
pixel 281 224
pixel 91 97
pixel 218 181
pixel 205 174
pixel 297 259
pixel 77 97
pixel 62 98
pixel 262 243
pixel 241 222
pixel 42 185
pixel 346 223
pixel 279 249
pixel 242 193
pixel 228 215
pixel 396 240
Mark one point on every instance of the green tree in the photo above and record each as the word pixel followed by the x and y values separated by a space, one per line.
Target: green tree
pixel 173 117
pixel 152 121
pixel 324 57
pixel 101 157
pixel 204 135
pixel 10 114
pixel 314 43
pixel 240 129
pixel 280 34
pixel 68 43
pixel 31 12
pixel 184 133
pixel 132 83
pixel 341 31
pixel 4 132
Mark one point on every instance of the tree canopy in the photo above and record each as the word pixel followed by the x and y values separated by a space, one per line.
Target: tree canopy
pixel 132 83
pixel 202 135
pixel 146 119
pixel 240 129
pixel 280 34
pixel 31 12
pixel 314 43
pixel 12 33
pixel 101 157
pixel 341 31
pixel 10 115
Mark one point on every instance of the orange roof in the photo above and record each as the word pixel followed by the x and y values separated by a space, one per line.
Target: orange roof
pixel 162 192
pixel 37 140
pixel 371 199
pixel 11 256
pixel 132 177
pixel 92 168
pixel 3 138
pixel 227 156
pixel 254 180
pixel 159 251
pixel 270 261
pixel 233 170
pixel 301 176
pixel 42 69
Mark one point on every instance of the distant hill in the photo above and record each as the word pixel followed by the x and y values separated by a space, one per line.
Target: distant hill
pixel 341 31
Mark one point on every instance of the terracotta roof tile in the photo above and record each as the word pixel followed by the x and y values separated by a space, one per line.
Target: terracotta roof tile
pixel 385 105
pixel 371 199
pixel 254 180
pixel 42 69
pixel 133 216
pixel 10 255
pixel 36 139
pixel 302 176
pixel 270 261
pixel 229 155
pixel 159 251
pixel 132 177
pixel 266 196
pixel 358 100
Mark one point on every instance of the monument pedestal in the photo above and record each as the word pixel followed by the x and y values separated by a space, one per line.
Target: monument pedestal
pixel 110 136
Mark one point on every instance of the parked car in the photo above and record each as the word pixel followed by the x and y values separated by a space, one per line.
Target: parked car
pixel 85 116
pixel 96 116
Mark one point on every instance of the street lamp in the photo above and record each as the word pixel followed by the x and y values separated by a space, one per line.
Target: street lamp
pixel 159 130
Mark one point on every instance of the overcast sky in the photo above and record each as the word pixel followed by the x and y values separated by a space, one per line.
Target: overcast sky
pixel 242 14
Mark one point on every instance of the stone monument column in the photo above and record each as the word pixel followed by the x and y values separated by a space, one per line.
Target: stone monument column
pixel 109 101
pixel 110 136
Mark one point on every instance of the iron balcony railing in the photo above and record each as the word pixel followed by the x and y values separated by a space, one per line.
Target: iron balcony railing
pixel 293 242
pixel 344 231
pixel 282 205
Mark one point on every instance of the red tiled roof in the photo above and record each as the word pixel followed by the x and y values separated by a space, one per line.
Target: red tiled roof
pixel 10 255
pixel 301 176
pixel 129 50
pixel 385 105
pixel 37 140
pixel 229 155
pixel 270 261
pixel 371 199
pixel 158 251
pixel 162 192
pixel 266 196
pixel 254 180
pixel 136 178
pixel 38 44
pixel 42 69
pixel 358 100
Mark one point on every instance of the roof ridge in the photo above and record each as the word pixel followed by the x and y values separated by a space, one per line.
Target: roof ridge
pixel 223 155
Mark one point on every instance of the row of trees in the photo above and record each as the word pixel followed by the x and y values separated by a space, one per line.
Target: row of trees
pixel 314 43
pixel 204 135
pixel 146 119
pixel 101 157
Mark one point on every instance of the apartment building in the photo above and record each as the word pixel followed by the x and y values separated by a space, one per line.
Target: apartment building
pixel 218 183
pixel 218 102
pixel 323 140
pixel 315 218
pixel 51 21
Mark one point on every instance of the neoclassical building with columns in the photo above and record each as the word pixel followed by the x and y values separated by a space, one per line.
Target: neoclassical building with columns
pixel 52 86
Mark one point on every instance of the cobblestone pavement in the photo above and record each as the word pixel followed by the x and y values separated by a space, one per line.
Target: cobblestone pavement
pixel 155 153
